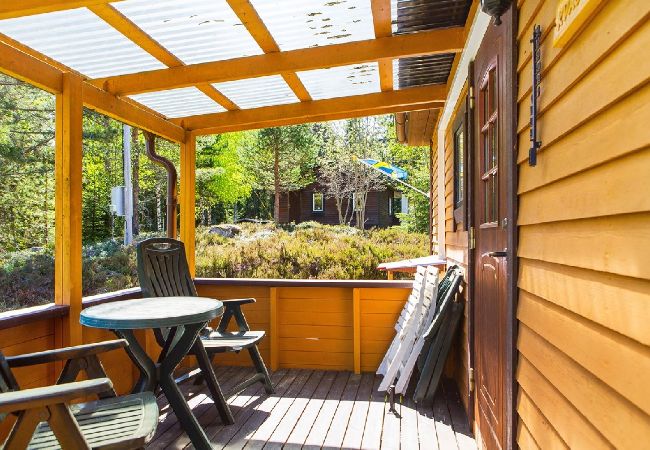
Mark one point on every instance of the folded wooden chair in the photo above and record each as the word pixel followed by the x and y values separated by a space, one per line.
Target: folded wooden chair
pixel 413 321
pixel 45 419
pixel 163 272
pixel 439 336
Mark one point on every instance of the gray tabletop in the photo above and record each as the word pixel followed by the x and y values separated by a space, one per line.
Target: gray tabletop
pixel 154 312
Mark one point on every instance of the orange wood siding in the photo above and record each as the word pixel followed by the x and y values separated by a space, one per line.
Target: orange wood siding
pixel 456 246
pixel 315 331
pixel 28 338
pixel 433 205
pixel 584 232
pixel 315 324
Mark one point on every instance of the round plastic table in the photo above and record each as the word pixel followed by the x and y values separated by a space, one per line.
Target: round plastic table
pixel 179 320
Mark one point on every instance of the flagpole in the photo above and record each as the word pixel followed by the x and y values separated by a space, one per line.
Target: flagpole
pixel 426 194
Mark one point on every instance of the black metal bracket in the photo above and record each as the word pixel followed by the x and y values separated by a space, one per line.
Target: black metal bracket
pixel 534 96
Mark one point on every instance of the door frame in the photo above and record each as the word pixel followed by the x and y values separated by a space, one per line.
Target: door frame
pixel 512 206
pixel 511 180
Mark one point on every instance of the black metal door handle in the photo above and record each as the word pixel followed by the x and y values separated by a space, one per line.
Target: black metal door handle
pixel 502 254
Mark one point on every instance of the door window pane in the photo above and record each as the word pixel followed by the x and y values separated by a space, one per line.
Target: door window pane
pixel 459 167
pixel 489 146
pixel 492 89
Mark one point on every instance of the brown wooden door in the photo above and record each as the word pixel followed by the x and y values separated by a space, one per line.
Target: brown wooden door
pixel 491 121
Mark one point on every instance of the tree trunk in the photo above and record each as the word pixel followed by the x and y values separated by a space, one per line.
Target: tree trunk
pixel 361 214
pixel 276 185
pixel 339 209
pixel 347 211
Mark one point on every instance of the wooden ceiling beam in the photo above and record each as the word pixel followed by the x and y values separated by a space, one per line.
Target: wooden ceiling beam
pixel 381 19
pixel 10 9
pixel 139 37
pixel 448 40
pixel 130 113
pixel 318 118
pixel 135 34
pixel 257 29
pixel 29 69
pixel 422 97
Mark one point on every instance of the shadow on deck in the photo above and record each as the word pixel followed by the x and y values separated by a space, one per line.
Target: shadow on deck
pixel 315 409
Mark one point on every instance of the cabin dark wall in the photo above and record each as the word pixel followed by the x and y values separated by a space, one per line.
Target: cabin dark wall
pixel 297 207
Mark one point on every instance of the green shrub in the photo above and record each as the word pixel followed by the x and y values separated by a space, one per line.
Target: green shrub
pixel 307 250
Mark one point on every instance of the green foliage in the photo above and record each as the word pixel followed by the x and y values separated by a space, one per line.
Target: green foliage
pixel 296 150
pixel 26 278
pixel 307 250
pixel 415 160
pixel 26 166
pixel 221 179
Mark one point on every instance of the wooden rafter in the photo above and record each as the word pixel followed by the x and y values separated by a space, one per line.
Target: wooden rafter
pixel 317 118
pixel 21 65
pixel 18 8
pixel 139 37
pixel 423 97
pixel 255 26
pixel 448 40
pixel 381 19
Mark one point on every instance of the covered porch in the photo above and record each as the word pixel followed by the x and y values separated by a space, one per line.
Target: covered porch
pixel 553 349
pixel 325 339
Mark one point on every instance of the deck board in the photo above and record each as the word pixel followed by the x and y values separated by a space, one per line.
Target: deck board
pixel 315 409
pixel 375 419
pixel 357 419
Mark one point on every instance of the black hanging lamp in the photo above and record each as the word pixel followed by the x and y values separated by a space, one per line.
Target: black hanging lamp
pixel 495 8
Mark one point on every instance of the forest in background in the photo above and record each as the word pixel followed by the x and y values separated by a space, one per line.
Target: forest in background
pixel 239 175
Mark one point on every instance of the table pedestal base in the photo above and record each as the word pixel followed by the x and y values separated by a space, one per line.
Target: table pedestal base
pixel 178 343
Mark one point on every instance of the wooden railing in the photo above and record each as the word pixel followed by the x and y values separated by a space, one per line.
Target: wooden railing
pixel 337 325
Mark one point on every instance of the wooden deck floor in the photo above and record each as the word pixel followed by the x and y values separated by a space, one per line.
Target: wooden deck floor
pixel 315 409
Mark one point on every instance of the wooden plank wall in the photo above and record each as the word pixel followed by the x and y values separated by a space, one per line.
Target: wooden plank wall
pixel 433 187
pixel 315 325
pixel 28 338
pixel 456 245
pixel 315 330
pixel 257 315
pixel 584 231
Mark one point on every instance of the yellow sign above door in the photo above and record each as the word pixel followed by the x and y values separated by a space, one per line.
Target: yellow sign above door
pixel 570 17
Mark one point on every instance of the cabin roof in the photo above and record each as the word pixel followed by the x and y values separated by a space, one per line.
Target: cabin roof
pixel 222 65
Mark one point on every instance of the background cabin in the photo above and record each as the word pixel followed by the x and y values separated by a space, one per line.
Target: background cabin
pixel 312 204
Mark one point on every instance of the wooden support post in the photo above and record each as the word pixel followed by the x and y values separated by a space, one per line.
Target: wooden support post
pixel 274 325
pixel 67 259
pixel 188 199
pixel 356 328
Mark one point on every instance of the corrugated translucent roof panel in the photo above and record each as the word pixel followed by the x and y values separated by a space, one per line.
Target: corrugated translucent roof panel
pixel 80 40
pixel 195 31
pixel 258 92
pixel 311 23
pixel 179 102
pixel 411 16
pixel 341 81
pixel 422 70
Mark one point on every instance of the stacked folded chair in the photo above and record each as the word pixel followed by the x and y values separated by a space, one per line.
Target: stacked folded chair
pixel 425 331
